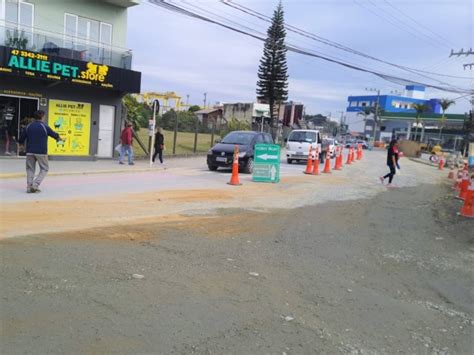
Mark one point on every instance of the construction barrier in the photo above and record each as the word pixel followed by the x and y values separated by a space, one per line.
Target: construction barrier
pixel 234 180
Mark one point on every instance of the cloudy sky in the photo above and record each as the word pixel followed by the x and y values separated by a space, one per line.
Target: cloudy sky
pixel 191 57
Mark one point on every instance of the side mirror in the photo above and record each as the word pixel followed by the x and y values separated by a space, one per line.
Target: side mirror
pixel 285 140
pixel 218 140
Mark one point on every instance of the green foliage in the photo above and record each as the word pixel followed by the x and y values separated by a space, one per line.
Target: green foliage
pixel 138 113
pixel 420 109
pixel 186 121
pixel 16 40
pixel 194 108
pixel 272 84
pixel 235 125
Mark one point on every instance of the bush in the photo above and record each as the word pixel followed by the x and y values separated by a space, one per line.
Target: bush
pixel 235 125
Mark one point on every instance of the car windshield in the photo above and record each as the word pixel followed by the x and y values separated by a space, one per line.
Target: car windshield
pixel 309 137
pixel 241 138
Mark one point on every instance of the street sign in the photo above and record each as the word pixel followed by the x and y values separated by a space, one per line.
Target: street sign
pixel 266 163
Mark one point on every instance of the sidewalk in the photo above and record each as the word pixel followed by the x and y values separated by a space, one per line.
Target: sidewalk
pixel 15 167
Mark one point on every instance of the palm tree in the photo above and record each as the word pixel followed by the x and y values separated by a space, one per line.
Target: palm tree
pixel 420 109
pixel 445 103
pixel 366 112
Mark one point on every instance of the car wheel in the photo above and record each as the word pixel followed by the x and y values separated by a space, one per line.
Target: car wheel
pixel 212 167
pixel 289 161
pixel 248 169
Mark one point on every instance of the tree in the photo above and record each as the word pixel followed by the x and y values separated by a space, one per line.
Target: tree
pixel 375 116
pixel 272 86
pixel 138 113
pixel 235 125
pixel 445 104
pixel 420 109
pixel 194 108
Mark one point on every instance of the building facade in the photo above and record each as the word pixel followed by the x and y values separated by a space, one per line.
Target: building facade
pixel 69 59
pixel 403 104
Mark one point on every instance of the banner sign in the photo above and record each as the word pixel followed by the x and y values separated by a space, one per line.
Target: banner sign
pixel 72 121
pixel 50 67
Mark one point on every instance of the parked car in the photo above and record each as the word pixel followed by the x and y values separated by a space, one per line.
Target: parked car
pixel 222 154
pixel 298 143
pixel 364 144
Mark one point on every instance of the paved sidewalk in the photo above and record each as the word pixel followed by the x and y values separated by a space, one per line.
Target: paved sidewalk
pixel 15 167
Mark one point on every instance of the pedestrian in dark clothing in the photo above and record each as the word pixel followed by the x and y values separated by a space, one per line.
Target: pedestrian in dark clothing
pixel 127 140
pixel 36 136
pixel 392 162
pixel 159 145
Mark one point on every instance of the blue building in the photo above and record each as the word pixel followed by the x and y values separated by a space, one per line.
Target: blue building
pixel 403 104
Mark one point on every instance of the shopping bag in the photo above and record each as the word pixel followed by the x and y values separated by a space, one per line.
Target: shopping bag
pixel 118 148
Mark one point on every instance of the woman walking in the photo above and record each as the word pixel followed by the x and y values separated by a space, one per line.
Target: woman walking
pixel 159 145
pixel 392 162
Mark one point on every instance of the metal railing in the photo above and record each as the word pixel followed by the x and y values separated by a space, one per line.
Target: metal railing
pixel 36 40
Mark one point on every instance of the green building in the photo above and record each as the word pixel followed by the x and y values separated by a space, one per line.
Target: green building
pixel 68 58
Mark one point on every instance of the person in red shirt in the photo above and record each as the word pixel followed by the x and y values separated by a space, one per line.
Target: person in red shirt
pixel 127 140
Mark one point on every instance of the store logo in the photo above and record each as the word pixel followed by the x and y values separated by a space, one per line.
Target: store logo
pixel 95 72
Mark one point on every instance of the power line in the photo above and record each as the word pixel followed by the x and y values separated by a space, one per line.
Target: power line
pixel 328 42
pixel 417 22
pixel 180 10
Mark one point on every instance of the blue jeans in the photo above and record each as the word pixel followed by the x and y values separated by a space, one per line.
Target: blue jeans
pixel 126 149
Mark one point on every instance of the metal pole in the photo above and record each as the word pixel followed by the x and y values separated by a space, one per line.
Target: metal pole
pixel 374 130
pixel 213 131
pixel 175 132
pixel 196 134
pixel 152 140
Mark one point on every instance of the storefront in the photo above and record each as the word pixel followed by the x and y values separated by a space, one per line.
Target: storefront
pixel 82 101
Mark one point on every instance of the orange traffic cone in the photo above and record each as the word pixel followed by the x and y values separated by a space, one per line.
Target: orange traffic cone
pixel 234 180
pixel 309 163
pixel 337 165
pixel 327 165
pixel 352 155
pixel 341 157
pixel 359 151
pixel 348 161
pixel 467 210
pixel 451 174
pixel 463 187
pixel 441 163
pixel 316 162
pixel 362 152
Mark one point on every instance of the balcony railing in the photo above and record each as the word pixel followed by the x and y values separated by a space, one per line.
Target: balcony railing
pixel 36 40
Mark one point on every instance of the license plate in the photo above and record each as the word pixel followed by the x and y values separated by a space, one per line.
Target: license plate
pixel 299 153
pixel 222 159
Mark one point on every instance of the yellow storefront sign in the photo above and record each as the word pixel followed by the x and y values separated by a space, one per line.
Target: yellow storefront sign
pixel 72 121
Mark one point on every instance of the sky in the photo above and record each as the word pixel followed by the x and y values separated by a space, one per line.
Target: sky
pixel 192 57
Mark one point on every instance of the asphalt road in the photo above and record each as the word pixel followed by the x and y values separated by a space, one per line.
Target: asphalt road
pixel 333 264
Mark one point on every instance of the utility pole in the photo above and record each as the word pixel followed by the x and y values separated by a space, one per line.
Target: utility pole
pixel 468 122
pixel 376 113
pixel 187 99
pixel 205 100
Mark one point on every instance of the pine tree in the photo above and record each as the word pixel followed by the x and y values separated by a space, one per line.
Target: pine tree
pixel 272 86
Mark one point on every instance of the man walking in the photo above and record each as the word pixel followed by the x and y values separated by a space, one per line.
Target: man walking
pixel 126 139
pixel 36 135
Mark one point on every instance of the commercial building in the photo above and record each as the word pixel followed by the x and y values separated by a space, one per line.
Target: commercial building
pixel 67 58
pixel 397 115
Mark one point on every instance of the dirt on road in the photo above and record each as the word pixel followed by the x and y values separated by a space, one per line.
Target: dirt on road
pixel 388 274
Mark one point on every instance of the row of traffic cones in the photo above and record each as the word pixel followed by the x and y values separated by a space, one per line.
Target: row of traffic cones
pixel 312 165
pixel 464 185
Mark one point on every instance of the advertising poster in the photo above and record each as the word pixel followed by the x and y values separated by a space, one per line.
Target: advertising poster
pixel 72 121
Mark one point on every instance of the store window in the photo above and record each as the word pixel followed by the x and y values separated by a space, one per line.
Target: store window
pixel 90 37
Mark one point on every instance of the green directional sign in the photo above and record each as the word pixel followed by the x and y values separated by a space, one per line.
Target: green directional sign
pixel 266 163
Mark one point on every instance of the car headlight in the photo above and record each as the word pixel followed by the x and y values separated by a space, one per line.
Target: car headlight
pixel 288 146
pixel 209 152
pixel 242 154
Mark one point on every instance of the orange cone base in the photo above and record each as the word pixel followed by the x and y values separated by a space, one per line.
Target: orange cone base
pixel 467 209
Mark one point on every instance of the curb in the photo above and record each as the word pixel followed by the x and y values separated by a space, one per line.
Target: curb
pixel 422 162
pixel 95 172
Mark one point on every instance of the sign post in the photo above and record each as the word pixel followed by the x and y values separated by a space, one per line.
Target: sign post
pixel 267 163
pixel 151 129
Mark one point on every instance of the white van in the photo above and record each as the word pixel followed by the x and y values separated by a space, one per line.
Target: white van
pixel 298 142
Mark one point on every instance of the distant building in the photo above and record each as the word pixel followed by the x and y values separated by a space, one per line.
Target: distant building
pixel 247 112
pixel 290 114
pixel 397 112
pixel 209 117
